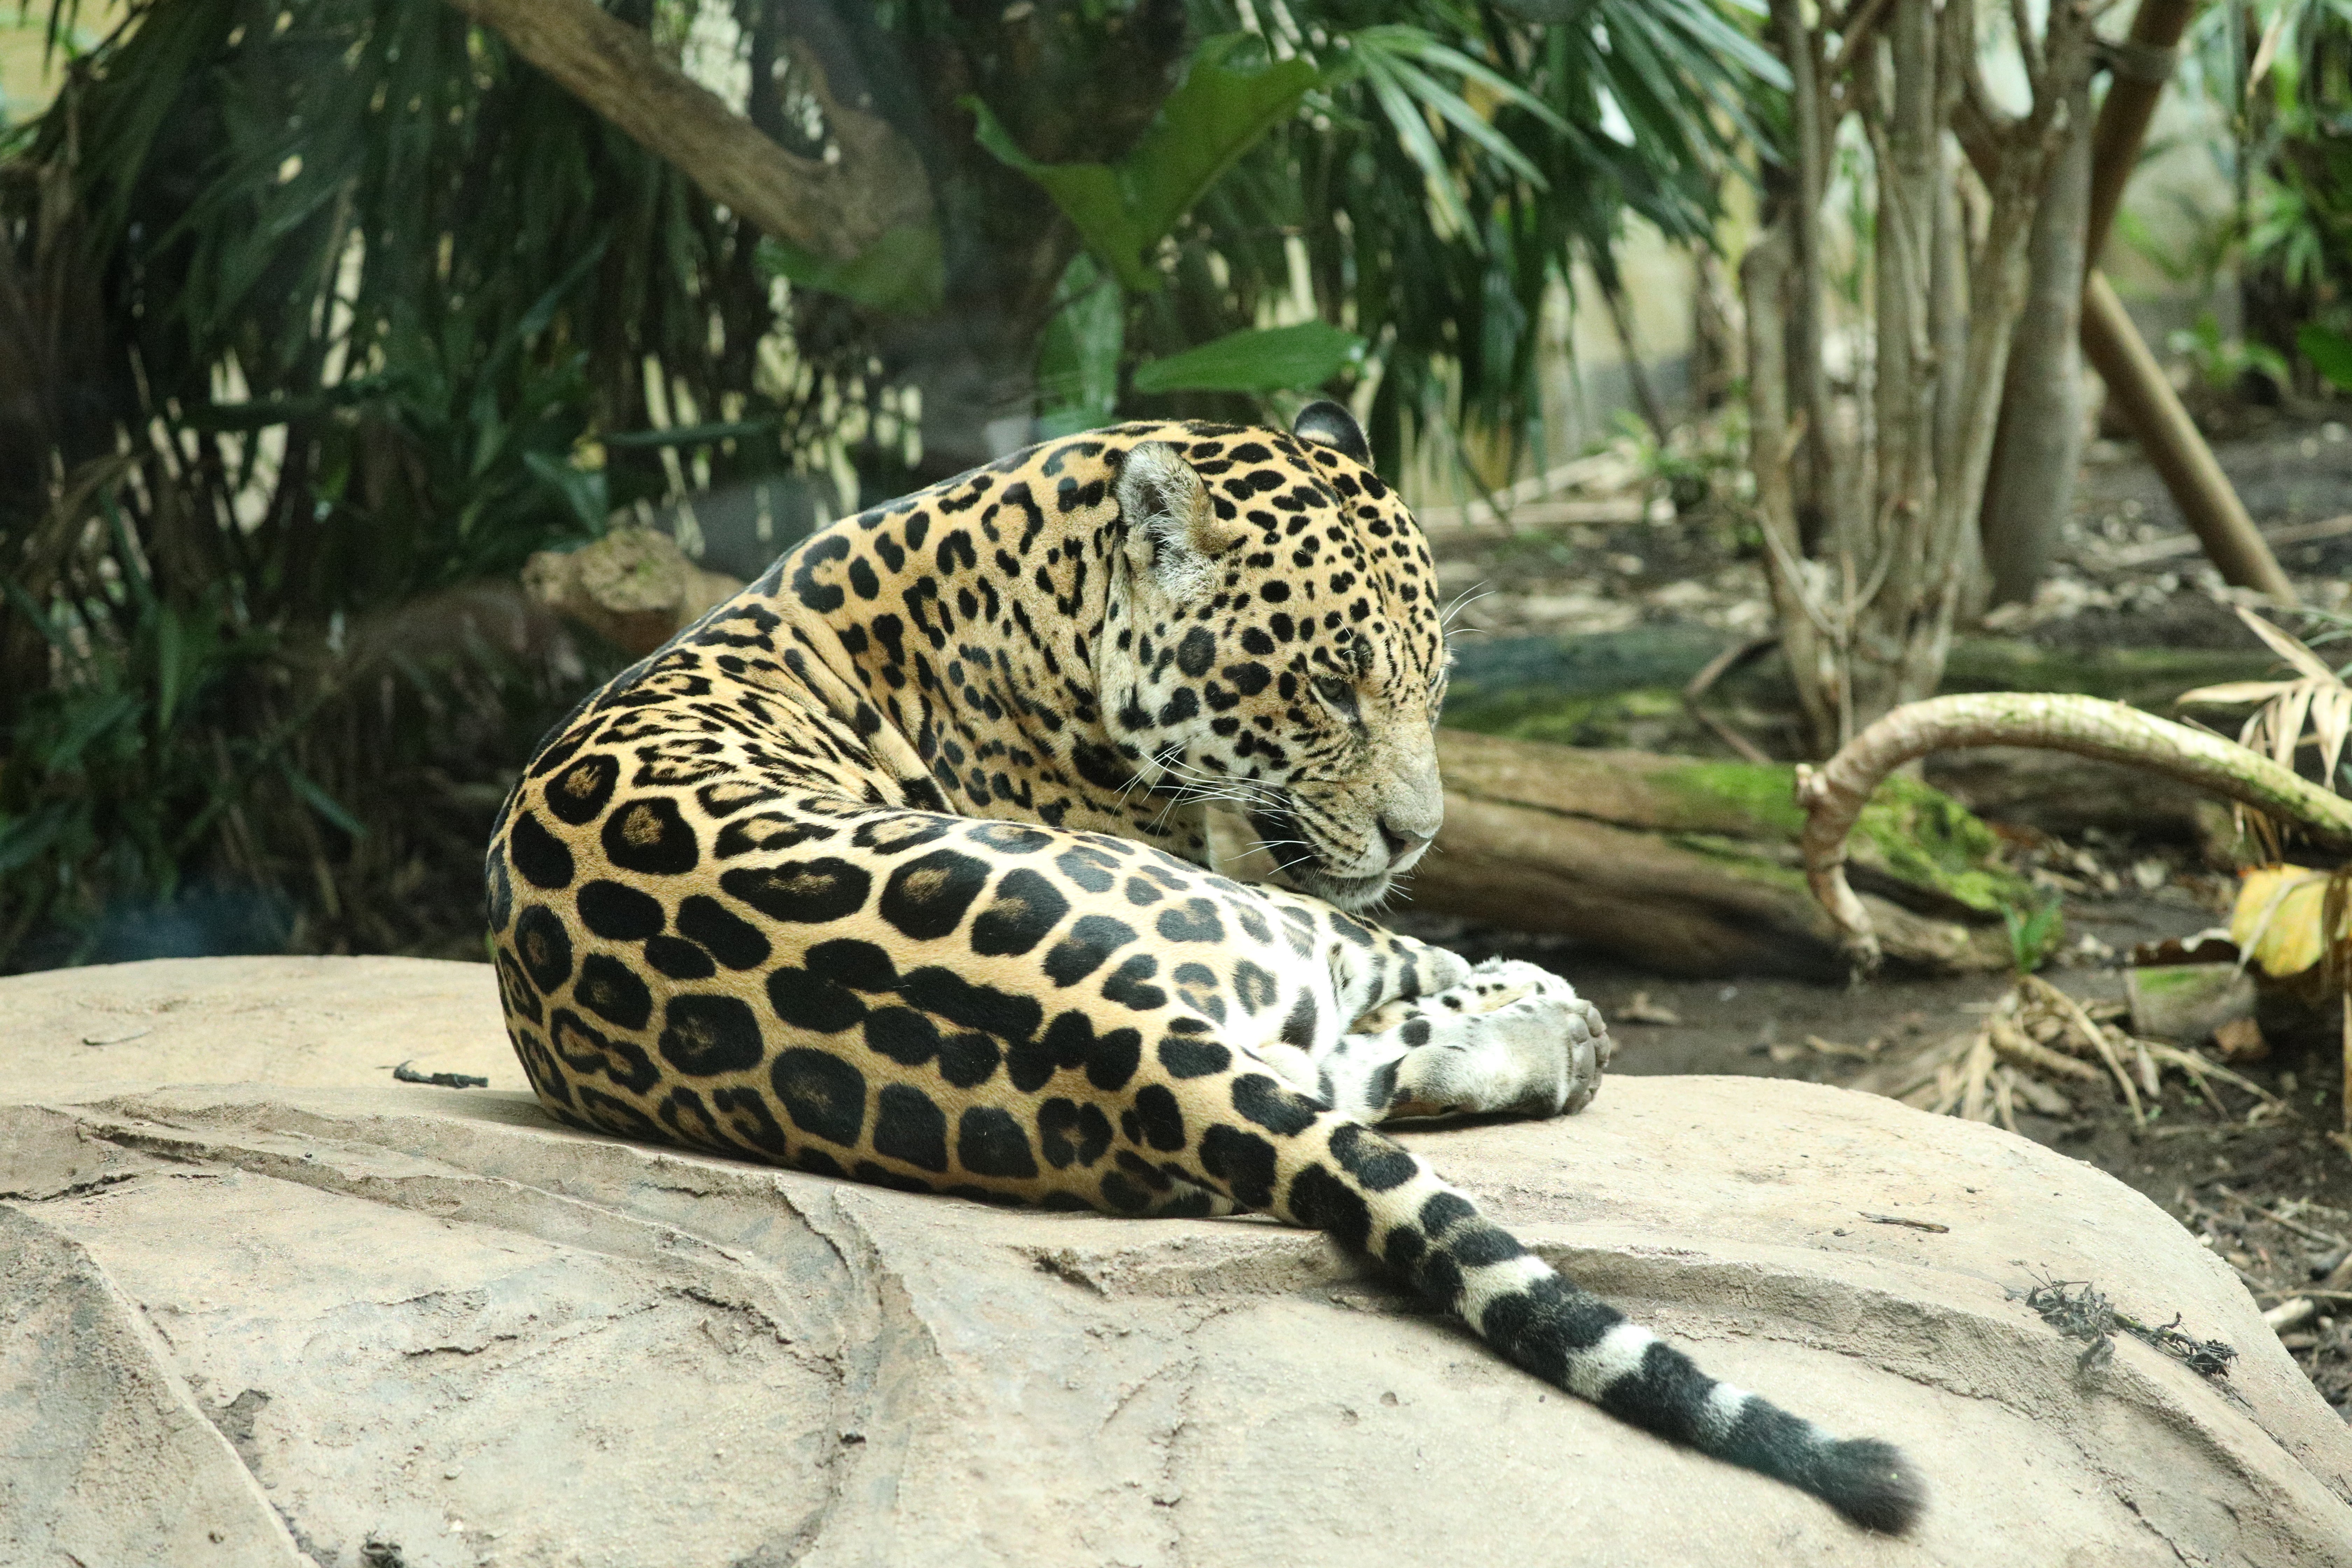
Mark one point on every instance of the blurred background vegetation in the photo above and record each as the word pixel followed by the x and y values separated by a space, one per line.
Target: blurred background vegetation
pixel 319 319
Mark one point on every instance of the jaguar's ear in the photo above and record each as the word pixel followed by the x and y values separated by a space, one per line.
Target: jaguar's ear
pixel 1329 424
pixel 1172 529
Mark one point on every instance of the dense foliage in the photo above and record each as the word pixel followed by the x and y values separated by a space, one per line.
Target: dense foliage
pixel 315 322
pixel 2279 72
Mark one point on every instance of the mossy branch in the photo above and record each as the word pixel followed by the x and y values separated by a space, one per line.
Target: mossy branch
pixel 1833 795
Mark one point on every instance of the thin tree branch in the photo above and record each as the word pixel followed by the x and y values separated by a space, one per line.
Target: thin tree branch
pixel 1853 35
pixel 2028 45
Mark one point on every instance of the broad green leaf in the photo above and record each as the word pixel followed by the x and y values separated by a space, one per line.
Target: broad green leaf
pixel 1122 209
pixel 903 271
pixel 2330 353
pixel 1262 359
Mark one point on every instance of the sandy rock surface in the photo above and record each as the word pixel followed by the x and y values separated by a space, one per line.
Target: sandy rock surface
pixel 257 1303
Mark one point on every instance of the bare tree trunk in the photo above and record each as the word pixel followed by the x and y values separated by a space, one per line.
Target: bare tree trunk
pixel 1868 600
pixel 1898 583
pixel 1719 350
pixel 1813 479
pixel 1808 637
pixel 1948 320
pixel 2040 444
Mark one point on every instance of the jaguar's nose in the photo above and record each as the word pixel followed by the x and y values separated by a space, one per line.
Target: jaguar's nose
pixel 1402 845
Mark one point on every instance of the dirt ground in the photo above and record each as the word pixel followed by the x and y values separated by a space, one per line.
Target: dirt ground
pixel 2268 1191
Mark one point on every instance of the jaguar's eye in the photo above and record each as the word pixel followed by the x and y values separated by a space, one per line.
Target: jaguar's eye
pixel 1339 696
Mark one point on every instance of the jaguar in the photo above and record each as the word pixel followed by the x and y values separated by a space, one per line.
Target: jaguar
pixel 903 865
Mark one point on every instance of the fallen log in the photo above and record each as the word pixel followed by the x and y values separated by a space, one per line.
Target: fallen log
pixel 1692 868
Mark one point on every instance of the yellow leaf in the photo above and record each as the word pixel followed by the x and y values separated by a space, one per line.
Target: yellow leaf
pixel 2331 720
pixel 2276 920
pixel 2287 648
pixel 2286 723
pixel 2235 693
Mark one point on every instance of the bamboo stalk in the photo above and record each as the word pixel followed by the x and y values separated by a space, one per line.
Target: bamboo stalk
pixel 2140 71
pixel 2142 66
pixel 2136 382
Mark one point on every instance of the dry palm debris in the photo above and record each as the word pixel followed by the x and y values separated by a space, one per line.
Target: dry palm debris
pixel 2039 1048
pixel 2081 1312
pixel 1641 1010
pixel 406 1073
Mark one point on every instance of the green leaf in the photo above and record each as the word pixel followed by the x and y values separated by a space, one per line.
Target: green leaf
pixel 1078 359
pixel 1124 209
pixel 2032 935
pixel 178 656
pixel 903 271
pixel 1263 359
pixel 2330 353
pixel 23 838
pixel 692 435
pixel 322 803
pixel 585 491
pixel 89 720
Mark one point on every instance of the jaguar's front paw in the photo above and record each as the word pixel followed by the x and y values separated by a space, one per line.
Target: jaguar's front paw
pixel 1589 1052
pixel 1512 1037
pixel 1558 1039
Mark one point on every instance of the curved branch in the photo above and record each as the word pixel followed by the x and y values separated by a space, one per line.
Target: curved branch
pixel 1833 795
pixel 836 210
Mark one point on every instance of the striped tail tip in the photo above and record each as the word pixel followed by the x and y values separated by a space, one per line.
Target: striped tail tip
pixel 1868 1481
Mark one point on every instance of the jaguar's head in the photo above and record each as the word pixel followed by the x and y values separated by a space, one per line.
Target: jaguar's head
pixel 1274 643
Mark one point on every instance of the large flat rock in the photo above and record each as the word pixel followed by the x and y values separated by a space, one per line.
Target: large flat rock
pixel 314 1313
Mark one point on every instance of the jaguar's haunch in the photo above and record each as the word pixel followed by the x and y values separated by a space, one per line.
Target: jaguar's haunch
pixel 896 867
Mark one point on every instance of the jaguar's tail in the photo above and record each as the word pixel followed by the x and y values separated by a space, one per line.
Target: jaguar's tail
pixel 1274 1151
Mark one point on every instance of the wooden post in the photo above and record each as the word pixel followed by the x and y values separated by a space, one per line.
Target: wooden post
pixel 2143 396
pixel 2174 445
pixel 2142 64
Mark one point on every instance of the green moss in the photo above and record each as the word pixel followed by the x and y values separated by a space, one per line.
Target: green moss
pixel 1925 837
pixel 2144 677
pixel 1763 793
pixel 1910 831
pixel 2187 979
